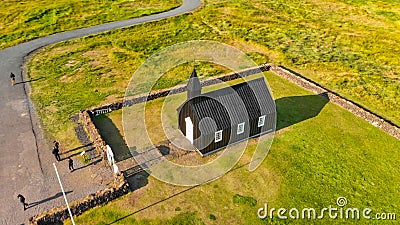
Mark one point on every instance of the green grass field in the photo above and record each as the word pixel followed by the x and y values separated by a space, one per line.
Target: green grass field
pixel 21 21
pixel 349 48
pixel 320 152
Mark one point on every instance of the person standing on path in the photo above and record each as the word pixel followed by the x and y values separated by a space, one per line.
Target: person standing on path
pixel 22 200
pixel 56 150
pixel 12 77
pixel 56 144
pixel 70 164
pixel 56 153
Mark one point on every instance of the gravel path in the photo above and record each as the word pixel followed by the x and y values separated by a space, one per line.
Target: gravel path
pixel 25 160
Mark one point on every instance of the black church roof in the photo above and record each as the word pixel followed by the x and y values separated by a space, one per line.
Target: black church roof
pixel 232 105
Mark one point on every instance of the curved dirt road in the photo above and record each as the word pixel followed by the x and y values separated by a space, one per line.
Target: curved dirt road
pixel 23 169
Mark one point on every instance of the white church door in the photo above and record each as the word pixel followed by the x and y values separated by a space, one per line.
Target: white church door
pixel 189 129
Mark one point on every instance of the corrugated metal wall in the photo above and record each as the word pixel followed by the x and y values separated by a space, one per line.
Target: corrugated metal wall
pixel 251 129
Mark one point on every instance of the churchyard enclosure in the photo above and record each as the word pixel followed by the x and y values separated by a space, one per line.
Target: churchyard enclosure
pixel 320 148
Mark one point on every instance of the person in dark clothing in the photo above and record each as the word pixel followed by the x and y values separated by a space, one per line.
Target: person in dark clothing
pixel 56 144
pixel 56 153
pixel 12 77
pixel 22 200
pixel 70 164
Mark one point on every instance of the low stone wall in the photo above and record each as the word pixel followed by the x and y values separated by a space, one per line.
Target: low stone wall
pixel 59 214
pixel 93 133
pixel 174 90
pixel 351 106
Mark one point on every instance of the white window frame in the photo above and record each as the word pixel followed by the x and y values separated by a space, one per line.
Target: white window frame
pixel 240 128
pixel 261 121
pixel 218 136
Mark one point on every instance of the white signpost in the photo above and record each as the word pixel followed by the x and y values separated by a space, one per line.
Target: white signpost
pixel 110 158
pixel 110 155
pixel 115 167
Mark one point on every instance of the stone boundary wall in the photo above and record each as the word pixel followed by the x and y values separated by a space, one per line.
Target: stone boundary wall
pixel 93 133
pixel 351 106
pixel 174 90
pixel 59 214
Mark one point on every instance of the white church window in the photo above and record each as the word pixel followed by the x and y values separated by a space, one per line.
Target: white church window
pixel 218 136
pixel 261 121
pixel 240 128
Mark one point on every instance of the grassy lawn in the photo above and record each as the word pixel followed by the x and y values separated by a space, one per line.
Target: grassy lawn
pixel 21 21
pixel 320 152
pixel 349 48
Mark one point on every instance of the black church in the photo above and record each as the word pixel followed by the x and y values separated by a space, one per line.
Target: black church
pixel 216 119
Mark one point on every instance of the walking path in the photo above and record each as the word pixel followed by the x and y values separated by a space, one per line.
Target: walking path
pixel 23 168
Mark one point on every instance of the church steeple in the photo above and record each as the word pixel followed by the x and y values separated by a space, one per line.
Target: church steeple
pixel 193 87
